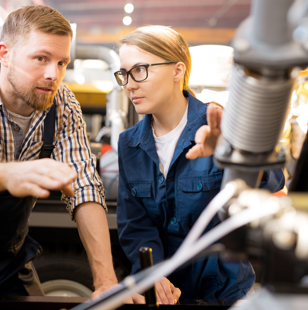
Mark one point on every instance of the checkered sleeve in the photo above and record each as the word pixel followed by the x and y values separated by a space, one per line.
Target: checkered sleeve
pixel 73 147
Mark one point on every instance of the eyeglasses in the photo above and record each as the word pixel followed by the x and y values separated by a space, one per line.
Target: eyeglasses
pixel 138 73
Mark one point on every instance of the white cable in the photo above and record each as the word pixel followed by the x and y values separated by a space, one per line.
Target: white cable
pixel 209 212
pixel 178 259
pixel 232 223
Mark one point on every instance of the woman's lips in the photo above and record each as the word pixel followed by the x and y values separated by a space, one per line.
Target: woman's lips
pixel 136 99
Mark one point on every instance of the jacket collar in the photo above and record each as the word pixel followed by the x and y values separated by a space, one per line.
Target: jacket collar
pixel 196 117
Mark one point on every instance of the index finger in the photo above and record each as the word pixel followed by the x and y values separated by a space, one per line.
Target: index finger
pixel 48 166
pixel 176 293
pixel 167 290
pixel 211 116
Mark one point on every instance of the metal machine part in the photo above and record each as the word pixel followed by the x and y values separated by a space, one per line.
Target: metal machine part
pixel 117 102
pixel 256 123
pixel 146 261
pixel 266 58
pixel 277 242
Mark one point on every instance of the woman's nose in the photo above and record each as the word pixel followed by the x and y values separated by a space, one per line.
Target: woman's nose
pixel 131 84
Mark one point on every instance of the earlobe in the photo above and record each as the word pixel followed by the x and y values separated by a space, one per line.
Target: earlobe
pixel 4 55
pixel 179 71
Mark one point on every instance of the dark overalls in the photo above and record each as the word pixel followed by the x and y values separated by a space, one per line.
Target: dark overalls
pixel 17 249
pixel 17 276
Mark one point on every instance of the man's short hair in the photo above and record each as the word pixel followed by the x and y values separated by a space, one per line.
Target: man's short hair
pixel 21 22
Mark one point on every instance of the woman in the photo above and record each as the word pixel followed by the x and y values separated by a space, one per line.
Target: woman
pixel 161 192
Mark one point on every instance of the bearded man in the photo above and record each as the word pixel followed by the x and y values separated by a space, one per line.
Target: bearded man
pixel 34 52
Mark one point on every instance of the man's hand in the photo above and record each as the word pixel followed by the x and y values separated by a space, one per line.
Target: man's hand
pixel 206 136
pixel 134 299
pixel 36 178
pixel 166 292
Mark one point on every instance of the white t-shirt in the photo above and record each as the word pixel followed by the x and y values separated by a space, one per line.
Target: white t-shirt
pixel 165 145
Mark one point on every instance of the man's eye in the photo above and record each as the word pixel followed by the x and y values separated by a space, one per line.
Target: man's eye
pixel 40 58
pixel 61 63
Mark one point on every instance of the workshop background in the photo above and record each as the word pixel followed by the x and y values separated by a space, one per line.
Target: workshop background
pixel 209 27
pixel 104 21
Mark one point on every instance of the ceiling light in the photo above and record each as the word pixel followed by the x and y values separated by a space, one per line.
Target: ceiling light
pixel 127 20
pixel 128 8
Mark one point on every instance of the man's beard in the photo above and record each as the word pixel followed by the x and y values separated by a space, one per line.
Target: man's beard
pixel 31 97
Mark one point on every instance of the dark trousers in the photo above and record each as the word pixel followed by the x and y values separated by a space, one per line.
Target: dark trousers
pixel 17 249
pixel 24 283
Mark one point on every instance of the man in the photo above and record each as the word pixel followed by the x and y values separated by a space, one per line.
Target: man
pixel 34 53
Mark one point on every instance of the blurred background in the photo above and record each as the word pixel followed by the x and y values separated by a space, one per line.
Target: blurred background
pixel 104 21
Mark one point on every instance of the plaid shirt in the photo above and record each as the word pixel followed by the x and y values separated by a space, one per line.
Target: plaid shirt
pixel 71 146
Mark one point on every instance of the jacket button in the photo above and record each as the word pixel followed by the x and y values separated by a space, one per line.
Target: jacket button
pixel 173 220
pixel 134 192
pixel 161 180
pixel 199 186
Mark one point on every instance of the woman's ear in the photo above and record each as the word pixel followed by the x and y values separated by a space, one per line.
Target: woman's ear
pixel 4 54
pixel 179 71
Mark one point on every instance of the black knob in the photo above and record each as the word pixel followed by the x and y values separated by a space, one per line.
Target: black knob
pixel 146 260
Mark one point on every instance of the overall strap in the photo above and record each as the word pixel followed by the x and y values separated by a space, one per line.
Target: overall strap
pixel 49 131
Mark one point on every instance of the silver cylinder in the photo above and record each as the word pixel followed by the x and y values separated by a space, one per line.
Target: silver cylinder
pixel 269 22
pixel 256 111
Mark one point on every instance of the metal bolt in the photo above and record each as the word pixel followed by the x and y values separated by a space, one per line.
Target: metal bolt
pixel 241 45
pixel 281 155
pixel 220 150
pixel 284 239
pixel 224 150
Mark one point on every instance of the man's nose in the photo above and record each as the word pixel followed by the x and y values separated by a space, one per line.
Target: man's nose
pixel 52 72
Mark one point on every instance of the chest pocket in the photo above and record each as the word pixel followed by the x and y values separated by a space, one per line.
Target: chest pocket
pixel 140 189
pixel 194 194
pixel 143 190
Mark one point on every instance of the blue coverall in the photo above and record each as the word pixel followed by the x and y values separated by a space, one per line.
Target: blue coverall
pixel 158 213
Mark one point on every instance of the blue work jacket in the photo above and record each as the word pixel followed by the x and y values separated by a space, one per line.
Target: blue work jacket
pixel 158 213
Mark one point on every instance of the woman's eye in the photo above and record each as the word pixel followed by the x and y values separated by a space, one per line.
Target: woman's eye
pixel 40 58
pixel 140 69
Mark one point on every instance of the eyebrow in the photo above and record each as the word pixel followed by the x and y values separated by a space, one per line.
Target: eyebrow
pixel 136 64
pixel 68 59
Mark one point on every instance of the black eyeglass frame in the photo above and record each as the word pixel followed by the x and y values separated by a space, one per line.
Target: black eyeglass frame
pixel 128 73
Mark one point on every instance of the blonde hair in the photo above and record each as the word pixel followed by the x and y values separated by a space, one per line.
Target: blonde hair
pixel 19 23
pixel 164 42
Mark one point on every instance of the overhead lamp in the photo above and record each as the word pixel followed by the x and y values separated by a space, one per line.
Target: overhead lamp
pixel 127 20
pixel 129 8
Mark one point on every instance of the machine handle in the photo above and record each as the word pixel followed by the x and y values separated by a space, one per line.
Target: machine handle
pixel 146 260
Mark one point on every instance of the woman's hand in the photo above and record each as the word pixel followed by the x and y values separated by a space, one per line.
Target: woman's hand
pixel 206 136
pixel 166 292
